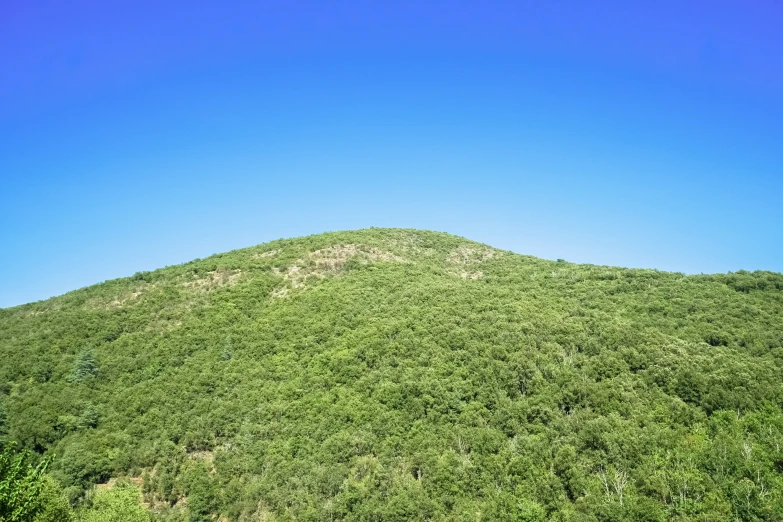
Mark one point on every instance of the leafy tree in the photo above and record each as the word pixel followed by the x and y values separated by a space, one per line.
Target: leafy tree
pixel 89 417
pixel 85 366
pixel 121 503
pixel 3 421
pixel 55 506
pixel 21 484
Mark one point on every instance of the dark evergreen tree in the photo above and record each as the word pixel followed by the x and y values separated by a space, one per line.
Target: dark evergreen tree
pixel 85 366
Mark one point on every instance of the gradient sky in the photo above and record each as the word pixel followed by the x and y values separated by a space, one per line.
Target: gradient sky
pixel 135 135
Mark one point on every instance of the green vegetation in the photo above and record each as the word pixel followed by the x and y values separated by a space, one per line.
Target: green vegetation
pixel 54 506
pixel 21 484
pixel 85 366
pixel 404 375
pixel 121 503
pixel 27 494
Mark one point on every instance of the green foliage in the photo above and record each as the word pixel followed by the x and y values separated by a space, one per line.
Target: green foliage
pixel 21 484
pixel 85 366
pixel 55 506
pixel 121 503
pixel 406 375
pixel 89 417
pixel 3 421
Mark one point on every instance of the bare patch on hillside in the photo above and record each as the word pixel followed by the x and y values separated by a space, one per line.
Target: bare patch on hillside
pixel 333 258
pixel 263 255
pixel 280 292
pixel 163 325
pixel 329 261
pixel 411 245
pixel 470 255
pixel 464 259
pixel 32 313
pixel 262 513
pixel 109 484
pixel 118 300
pixel 206 456
pixel 214 279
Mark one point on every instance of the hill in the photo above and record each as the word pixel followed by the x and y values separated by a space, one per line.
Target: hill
pixel 390 374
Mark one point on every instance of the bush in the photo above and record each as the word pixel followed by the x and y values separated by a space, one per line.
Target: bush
pixel 21 484
pixel 122 503
pixel 55 507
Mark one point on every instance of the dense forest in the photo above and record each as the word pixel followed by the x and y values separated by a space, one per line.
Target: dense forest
pixel 394 375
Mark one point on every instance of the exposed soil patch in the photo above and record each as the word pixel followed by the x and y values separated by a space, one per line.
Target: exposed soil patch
pixel 263 255
pixel 465 257
pixel 163 325
pixel 136 481
pixel 119 300
pixel 207 456
pixel 331 260
pixel 214 279
pixel 470 255
pixel 32 313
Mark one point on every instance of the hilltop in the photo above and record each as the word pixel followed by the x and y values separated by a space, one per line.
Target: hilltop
pixel 390 374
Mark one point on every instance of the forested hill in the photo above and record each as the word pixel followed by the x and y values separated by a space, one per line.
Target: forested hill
pixel 390 374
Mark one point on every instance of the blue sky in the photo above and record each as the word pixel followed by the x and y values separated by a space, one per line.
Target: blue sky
pixel 144 134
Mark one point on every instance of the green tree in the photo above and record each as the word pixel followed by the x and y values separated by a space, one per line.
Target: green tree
pixel 515 507
pixel 122 503
pixel 21 483
pixel 89 417
pixel 3 421
pixel 84 367
pixel 55 507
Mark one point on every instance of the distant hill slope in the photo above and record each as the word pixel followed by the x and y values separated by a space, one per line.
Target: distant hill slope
pixel 390 374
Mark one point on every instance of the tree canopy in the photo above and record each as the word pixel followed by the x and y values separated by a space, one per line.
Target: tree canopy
pixel 389 374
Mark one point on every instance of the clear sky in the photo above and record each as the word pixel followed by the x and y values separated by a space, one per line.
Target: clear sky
pixel 139 134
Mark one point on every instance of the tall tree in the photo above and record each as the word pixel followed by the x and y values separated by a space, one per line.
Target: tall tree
pixel 21 483
pixel 85 366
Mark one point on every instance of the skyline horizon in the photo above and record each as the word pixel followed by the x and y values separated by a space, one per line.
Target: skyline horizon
pixel 687 274
pixel 146 134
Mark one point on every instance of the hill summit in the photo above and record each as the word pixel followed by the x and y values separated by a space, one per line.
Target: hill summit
pixel 390 374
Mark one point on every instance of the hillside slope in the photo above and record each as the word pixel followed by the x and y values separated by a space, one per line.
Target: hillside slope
pixel 389 374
